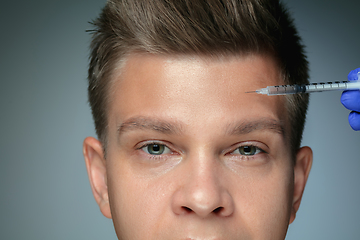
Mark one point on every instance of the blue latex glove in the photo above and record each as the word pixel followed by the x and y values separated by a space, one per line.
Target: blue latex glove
pixel 351 100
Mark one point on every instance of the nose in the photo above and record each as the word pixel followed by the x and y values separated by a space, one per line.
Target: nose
pixel 203 190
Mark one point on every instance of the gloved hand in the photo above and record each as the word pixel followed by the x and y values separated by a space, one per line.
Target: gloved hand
pixel 351 100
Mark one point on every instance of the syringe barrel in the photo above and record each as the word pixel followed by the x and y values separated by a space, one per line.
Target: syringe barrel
pixel 312 87
pixel 331 86
pixel 284 89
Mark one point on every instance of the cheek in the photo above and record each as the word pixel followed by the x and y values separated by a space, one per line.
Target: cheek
pixel 138 204
pixel 266 202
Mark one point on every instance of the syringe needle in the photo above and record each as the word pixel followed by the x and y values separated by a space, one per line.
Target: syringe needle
pixel 251 92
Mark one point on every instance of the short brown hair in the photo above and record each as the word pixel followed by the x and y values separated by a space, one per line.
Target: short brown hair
pixel 210 27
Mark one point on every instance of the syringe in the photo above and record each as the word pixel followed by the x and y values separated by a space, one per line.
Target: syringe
pixel 309 88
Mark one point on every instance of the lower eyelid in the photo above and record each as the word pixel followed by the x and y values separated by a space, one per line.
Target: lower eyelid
pixel 260 157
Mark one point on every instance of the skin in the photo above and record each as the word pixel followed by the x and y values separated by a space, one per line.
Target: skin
pixel 225 172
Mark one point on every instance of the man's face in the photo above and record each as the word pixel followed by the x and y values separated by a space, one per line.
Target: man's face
pixel 190 155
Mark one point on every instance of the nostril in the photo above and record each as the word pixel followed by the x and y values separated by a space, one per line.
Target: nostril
pixel 217 210
pixel 187 210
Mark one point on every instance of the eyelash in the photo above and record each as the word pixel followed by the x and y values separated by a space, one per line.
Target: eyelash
pixel 258 151
pixel 168 150
pixel 154 156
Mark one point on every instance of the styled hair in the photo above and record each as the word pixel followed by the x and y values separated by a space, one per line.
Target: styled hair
pixel 200 27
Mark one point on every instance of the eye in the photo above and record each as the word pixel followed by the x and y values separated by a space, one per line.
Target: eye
pixel 247 150
pixel 156 149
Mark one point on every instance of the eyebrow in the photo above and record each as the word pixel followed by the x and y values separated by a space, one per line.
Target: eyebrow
pixel 145 123
pixel 268 124
pixel 167 127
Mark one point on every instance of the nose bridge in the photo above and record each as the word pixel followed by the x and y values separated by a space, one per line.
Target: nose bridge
pixel 203 192
pixel 203 185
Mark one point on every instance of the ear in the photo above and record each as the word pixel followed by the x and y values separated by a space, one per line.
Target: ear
pixel 302 168
pixel 96 169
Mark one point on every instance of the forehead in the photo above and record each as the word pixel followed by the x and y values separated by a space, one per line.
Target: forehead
pixel 196 89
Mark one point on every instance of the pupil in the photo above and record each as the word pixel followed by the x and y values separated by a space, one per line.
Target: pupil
pixel 247 149
pixel 156 148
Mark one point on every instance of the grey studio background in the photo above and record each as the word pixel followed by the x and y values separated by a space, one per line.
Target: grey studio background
pixel 44 116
